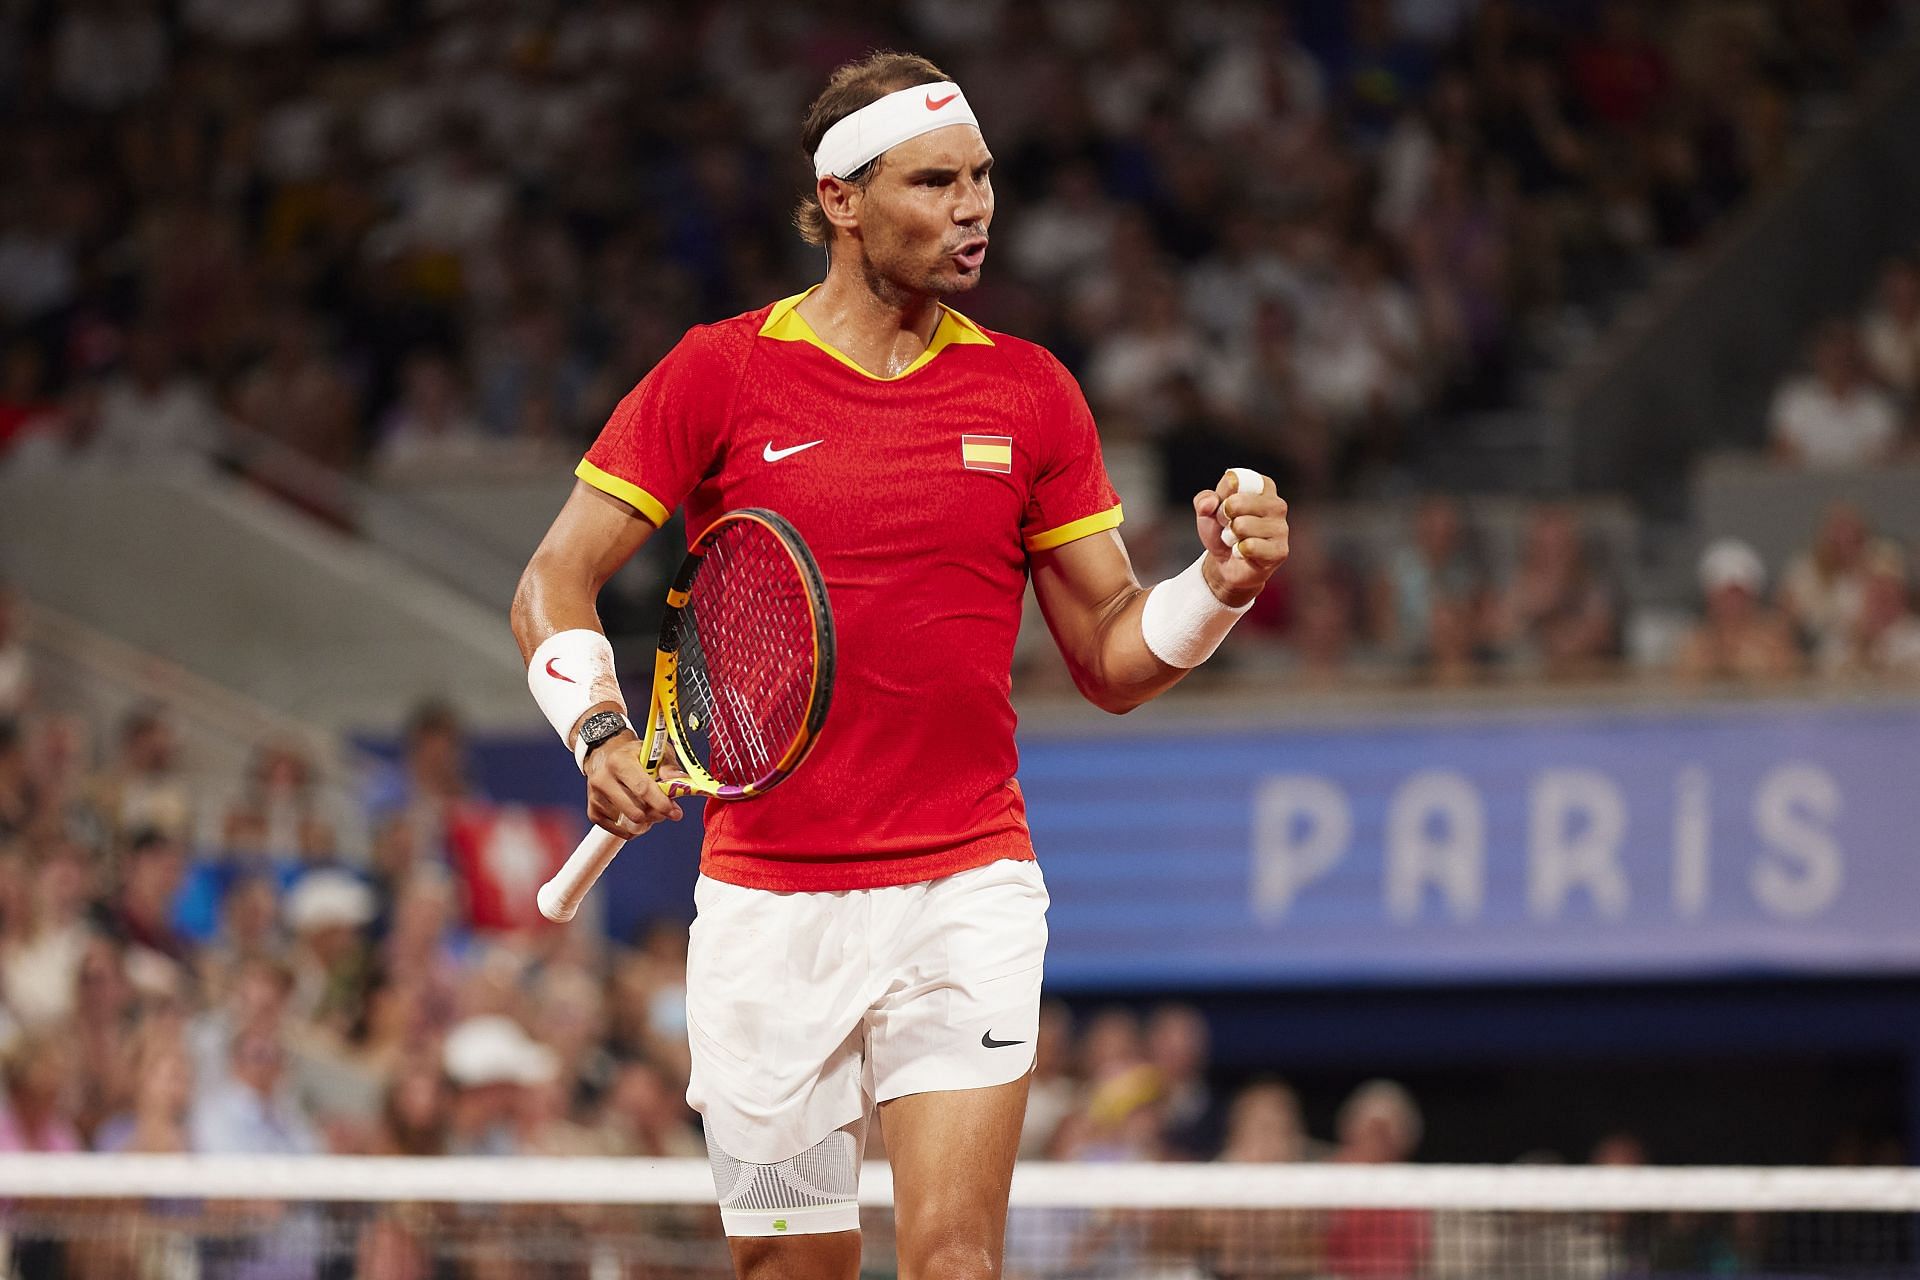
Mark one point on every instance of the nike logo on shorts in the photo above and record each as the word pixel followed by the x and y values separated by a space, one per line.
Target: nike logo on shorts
pixel 772 454
pixel 988 1042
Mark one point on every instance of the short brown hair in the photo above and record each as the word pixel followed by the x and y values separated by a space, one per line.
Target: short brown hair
pixel 852 86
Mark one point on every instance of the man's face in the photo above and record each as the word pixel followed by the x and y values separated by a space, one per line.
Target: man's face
pixel 923 217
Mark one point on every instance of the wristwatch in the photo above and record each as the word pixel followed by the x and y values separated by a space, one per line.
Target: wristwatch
pixel 599 728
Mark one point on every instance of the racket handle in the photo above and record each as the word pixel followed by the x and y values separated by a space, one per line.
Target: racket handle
pixel 561 896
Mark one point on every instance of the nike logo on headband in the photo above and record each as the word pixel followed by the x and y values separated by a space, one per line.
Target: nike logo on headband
pixel 934 104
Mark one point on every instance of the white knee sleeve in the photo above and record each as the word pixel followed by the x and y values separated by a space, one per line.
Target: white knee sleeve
pixel 808 1194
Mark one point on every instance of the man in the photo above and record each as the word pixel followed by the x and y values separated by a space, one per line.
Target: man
pixel 932 466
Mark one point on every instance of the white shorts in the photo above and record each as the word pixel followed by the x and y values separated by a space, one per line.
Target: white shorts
pixel 805 1009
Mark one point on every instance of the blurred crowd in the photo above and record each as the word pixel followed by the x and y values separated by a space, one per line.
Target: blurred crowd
pixel 196 968
pixel 1857 404
pixel 408 234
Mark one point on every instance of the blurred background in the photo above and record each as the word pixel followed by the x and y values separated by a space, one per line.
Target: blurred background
pixel 1556 803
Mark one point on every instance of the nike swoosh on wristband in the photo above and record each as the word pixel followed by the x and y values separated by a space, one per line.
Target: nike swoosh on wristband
pixel 934 104
pixel 772 454
pixel 988 1042
pixel 556 675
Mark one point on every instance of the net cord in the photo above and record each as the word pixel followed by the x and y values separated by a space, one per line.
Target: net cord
pixel 535 1180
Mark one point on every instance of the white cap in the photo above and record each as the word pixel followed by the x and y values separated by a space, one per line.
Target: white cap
pixel 326 898
pixel 493 1049
pixel 1729 562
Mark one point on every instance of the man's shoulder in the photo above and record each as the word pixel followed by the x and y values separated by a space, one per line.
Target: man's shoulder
pixel 1014 353
pixel 1018 360
pixel 721 343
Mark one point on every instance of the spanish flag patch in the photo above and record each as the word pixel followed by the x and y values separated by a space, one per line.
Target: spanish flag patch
pixel 987 453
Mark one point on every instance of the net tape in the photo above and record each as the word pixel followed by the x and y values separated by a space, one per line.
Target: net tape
pixel 539 1180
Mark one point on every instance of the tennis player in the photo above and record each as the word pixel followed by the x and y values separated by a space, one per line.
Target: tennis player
pixel 870 935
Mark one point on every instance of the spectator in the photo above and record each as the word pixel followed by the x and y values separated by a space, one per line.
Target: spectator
pixel 32 426
pixel 158 1124
pixel 416 1115
pixel 141 915
pixel 646 1116
pixel 1886 634
pixel 40 963
pixel 108 56
pixel 40 1103
pixel 1136 364
pixel 153 415
pixel 15 672
pixel 1178 1044
pixel 429 781
pixel 1436 576
pixel 326 912
pixel 1054 1092
pixel 1822 589
pixel 432 425
pixel 1891 331
pixel 250 1109
pixel 492 1062
pixel 1559 612
pixel 1834 418
pixel 1378 1124
pixel 1740 638
pixel 1264 1127
pixel 145 789
pixel 256 997
pixel 276 821
pixel 1111 1045
pixel 299 395
pixel 19 797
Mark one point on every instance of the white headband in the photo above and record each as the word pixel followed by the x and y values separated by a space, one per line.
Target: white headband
pixel 880 126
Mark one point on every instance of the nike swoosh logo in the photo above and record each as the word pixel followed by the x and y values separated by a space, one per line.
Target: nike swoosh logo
pixel 772 454
pixel 556 675
pixel 934 104
pixel 988 1042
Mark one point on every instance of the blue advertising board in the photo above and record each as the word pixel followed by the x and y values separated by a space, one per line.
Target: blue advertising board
pixel 1569 845
pixel 1565 844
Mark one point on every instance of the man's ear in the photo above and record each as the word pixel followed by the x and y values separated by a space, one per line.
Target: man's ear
pixel 840 201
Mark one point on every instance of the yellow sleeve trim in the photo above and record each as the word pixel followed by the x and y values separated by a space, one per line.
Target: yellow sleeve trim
pixel 625 490
pixel 1074 530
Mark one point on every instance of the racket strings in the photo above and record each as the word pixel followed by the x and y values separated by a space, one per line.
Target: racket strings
pixel 747 655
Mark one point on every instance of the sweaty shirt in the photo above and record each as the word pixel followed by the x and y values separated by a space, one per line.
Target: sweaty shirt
pixel 921 496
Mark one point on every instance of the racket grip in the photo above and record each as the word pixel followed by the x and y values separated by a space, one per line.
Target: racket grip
pixel 561 896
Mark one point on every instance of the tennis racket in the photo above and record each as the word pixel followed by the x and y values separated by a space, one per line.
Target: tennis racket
pixel 741 679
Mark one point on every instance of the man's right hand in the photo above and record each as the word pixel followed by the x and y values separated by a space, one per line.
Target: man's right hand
pixel 621 797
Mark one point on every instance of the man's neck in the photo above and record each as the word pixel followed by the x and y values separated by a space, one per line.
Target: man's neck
pixel 880 329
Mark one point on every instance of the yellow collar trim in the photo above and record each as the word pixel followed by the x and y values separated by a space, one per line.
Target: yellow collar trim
pixel 785 324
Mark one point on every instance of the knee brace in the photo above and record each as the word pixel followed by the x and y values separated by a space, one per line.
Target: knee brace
pixel 808 1194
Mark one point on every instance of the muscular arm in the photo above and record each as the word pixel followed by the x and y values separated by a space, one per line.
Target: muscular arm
pixel 1093 603
pixel 594 534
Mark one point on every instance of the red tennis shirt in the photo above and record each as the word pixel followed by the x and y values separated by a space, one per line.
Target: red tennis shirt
pixel 921 496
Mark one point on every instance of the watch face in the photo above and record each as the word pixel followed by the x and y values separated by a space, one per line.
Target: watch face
pixel 603 726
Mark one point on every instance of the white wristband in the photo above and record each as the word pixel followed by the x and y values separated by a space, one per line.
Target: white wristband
pixel 570 672
pixel 1183 621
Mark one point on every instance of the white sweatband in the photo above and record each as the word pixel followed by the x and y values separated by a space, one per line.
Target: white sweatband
pixel 1184 622
pixel 884 124
pixel 570 672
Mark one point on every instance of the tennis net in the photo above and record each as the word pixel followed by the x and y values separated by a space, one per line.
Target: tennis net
pixel 229 1218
